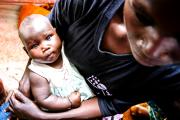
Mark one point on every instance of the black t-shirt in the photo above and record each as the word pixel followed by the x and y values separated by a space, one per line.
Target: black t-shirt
pixel 118 80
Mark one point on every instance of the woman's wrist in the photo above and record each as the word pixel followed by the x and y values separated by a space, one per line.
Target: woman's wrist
pixel 49 116
pixel 39 114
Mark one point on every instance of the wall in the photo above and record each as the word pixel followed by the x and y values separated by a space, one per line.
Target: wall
pixel 13 59
pixel 26 1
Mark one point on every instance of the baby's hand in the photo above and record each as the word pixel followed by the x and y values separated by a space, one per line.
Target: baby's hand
pixel 75 99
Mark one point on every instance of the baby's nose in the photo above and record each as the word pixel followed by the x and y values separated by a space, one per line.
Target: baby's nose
pixel 45 48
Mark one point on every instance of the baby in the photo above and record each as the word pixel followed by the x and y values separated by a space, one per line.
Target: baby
pixel 55 83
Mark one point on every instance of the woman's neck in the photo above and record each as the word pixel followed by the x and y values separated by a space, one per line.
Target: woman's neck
pixel 115 37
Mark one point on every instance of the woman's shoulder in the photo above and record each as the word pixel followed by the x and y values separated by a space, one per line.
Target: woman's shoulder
pixel 79 7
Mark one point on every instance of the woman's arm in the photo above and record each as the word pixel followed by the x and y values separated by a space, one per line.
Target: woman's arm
pixel 26 108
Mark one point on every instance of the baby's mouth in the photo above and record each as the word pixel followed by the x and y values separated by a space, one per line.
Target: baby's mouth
pixel 48 54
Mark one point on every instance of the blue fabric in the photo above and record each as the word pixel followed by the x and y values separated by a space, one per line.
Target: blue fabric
pixel 3 114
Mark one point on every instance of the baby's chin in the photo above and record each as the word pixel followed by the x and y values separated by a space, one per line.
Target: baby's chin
pixel 45 61
pixel 52 58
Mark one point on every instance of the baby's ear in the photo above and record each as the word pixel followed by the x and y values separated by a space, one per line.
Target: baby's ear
pixel 54 29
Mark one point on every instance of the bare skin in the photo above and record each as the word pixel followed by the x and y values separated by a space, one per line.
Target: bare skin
pixel 153 38
pixel 43 46
pixel 153 31
pixel 87 106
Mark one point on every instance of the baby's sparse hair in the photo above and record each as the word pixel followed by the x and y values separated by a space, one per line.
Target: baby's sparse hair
pixel 26 25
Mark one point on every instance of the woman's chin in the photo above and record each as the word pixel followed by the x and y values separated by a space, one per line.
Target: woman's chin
pixel 145 61
pixel 152 63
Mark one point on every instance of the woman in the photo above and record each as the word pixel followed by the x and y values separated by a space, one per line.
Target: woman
pixel 102 38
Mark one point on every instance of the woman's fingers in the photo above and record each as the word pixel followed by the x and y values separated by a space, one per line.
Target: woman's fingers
pixel 9 95
pixel 17 101
pixel 13 101
pixel 19 96
pixel 22 104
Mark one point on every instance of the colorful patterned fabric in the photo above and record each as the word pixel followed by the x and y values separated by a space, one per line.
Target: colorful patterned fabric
pixel 115 117
pixel 155 112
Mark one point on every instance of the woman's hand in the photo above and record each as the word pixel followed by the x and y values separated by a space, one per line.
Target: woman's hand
pixel 24 107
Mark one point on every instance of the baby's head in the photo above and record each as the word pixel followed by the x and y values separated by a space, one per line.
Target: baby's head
pixel 153 28
pixel 40 39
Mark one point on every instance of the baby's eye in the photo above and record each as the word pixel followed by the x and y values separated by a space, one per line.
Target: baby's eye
pixel 144 19
pixel 48 37
pixel 34 46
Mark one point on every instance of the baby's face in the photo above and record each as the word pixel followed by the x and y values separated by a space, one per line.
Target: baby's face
pixel 153 28
pixel 42 43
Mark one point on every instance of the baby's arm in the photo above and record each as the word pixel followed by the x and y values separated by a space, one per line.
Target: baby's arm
pixel 42 94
